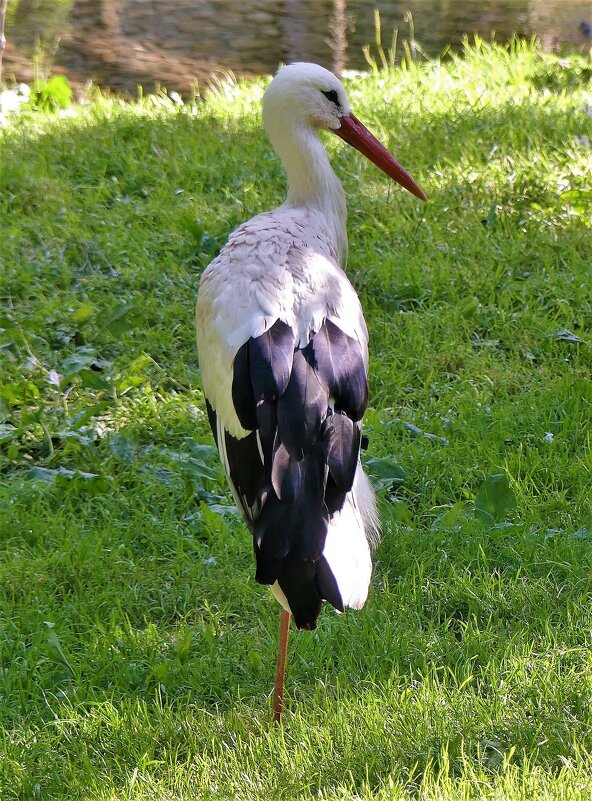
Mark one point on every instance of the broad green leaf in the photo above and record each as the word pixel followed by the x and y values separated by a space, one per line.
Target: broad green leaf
pixel 75 480
pixel 578 198
pixel 13 393
pixel 6 352
pixel 85 483
pixel 566 336
pixel 90 356
pixel 495 498
pixel 84 358
pixel 90 378
pixel 386 472
pixel 17 394
pixel 161 671
pixel 223 509
pixel 88 366
pixel 123 445
pixel 13 451
pixel 46 475
pixel 7 432
pixel 201 462
pixel 196 468
pixel 55 652
pixel 82 418
pixel 130 382
pixel 121 319
pixel 83 313
pixel 135 376
pixel 451 519
pixel 183 645
pixel 206 452
pixel 83 439
pixel 140 363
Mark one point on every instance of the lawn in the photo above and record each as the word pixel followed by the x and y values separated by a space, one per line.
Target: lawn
pixel 137 650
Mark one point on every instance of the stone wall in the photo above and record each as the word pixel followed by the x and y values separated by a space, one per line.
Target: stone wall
pixel 180 40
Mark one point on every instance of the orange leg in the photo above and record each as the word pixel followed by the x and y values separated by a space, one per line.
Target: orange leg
pixel 280 673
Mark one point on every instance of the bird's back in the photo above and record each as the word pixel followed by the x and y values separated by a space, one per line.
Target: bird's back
pixel 283 355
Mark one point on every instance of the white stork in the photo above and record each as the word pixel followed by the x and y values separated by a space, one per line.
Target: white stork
pixel 283 353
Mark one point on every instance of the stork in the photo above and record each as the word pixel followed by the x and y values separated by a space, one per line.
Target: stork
pixel 283 353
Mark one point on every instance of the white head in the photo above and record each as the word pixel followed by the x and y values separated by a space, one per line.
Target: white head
pixel 306 94
pixel 303 98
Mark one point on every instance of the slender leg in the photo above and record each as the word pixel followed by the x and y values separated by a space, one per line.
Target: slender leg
pixel 280 673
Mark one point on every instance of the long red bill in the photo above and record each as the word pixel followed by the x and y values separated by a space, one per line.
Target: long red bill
pixel 357 135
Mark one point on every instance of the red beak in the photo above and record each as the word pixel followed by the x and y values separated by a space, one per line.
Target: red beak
pixel 357 135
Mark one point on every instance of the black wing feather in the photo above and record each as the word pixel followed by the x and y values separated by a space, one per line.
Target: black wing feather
pixel 246 471
pixel 243 396
pixel 339 363
pixel 286 475
pixel 271 357
pixel 301 408
pixel 297 464
pixel 344 447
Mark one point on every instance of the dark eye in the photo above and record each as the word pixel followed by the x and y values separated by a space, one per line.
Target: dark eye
pixel 332 96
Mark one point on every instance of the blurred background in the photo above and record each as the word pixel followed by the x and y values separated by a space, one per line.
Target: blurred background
pixel 123 43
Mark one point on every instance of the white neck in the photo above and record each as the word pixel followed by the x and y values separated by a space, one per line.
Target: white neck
pixel 311 180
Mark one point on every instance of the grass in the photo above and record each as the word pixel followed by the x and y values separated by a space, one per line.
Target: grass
pixel 137 650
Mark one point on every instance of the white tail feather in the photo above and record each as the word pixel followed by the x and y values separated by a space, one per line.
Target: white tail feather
pixel 351 535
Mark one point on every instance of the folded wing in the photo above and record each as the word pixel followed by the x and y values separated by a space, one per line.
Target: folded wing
pixel 293 470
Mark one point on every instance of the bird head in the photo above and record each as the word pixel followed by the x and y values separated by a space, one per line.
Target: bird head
pixel 306 94
pixel 303 94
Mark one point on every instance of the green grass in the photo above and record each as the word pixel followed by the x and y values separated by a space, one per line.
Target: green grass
pixel 137 649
